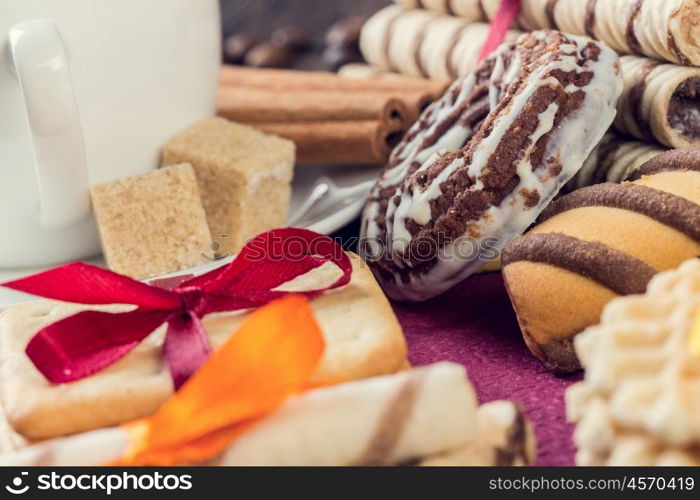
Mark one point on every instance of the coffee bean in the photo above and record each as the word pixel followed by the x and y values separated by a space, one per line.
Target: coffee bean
pixel 268 55
pixel 335 57
pixel 345 33
pixel 292 38
pixel 236 47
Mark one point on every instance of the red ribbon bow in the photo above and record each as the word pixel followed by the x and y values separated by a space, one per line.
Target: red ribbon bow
pixel 506 14
pixel 89 341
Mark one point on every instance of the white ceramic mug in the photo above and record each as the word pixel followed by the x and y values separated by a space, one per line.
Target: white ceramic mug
pixel 89 92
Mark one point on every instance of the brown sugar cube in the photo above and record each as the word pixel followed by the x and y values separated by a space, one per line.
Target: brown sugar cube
pixel 243 175
pixel 152 224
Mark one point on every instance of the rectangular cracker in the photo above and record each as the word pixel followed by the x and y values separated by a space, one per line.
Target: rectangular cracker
pixel 243 174
pixel 152 224
pixel 363 339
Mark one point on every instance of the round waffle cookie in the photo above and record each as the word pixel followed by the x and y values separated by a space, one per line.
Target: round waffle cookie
pixel 639 403
pixel 483 161
pixel 597 243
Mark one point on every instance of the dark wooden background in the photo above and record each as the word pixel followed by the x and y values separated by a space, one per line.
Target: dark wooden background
pixel 261 17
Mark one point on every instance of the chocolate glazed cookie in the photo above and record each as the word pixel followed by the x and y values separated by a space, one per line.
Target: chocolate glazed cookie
pixel 483 161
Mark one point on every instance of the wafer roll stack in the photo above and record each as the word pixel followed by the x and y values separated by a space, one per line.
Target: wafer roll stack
pixel 662 29
pixel 389 420
pixel 614 159
pixel 469 10
pixel 601 242
pixel 422 43
pixel 660 103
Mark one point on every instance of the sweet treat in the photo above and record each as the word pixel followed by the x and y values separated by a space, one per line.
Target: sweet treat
pixel 139 382
pixel 421 43
pixel 152 224
pixel 243 176
pixel 504 439
pixel 601 242
pixel 483 162
pixel 469 10
pixel 666 30
pixel 533 15
pixel 639 402
pixel 390 420
pixel 660 103
pixel 614 159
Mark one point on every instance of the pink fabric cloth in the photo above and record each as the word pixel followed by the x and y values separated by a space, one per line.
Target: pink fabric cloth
pixel 474 325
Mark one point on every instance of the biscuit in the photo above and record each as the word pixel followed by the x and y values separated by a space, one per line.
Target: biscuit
pixel 640 399
pixel 482 162
pixel 598 243
pixel 363 339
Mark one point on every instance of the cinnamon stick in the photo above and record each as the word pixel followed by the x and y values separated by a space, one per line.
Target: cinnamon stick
pixel 339 142
pixel 240 76
pixel 332 120
pixel 250 105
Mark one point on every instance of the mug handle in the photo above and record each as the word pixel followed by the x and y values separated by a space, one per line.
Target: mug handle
pixel 41 66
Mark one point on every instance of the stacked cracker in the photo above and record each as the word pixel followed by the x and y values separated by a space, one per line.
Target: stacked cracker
pixel 441 39
pixel 640 400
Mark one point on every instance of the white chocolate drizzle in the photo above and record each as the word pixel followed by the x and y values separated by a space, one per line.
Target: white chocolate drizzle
pixel 567 146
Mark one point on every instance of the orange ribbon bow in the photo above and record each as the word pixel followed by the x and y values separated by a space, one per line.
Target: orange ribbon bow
pixel 271 357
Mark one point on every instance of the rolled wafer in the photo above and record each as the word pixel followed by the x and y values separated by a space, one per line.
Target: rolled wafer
pixel 661 102
pixel 662 29
pixel 248 105
pixel 339 142
pixel 534 14
pixel 504 438
pixel 613 160
pixel 470 10
pixel 422 43
pixel 359 71
pixel 380 421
